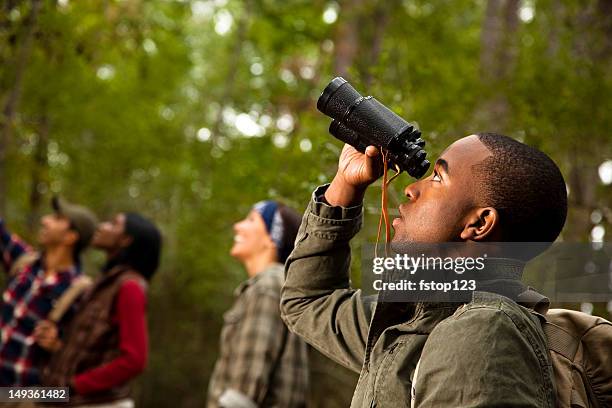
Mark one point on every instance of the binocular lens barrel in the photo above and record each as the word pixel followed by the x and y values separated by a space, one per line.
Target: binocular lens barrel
pixel 346 135
pixel 362 121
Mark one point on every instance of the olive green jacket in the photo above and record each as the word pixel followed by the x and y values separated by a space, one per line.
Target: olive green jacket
pixel 490 352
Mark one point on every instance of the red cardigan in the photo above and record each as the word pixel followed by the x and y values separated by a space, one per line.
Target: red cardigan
pixel 130 315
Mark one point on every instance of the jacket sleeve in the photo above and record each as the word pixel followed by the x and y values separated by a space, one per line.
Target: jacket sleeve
pixel 483 358
pixel 317 302
pixel 11 247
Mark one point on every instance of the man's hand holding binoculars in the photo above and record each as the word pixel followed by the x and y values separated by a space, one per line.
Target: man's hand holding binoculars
pixel 367 127
pixel 356 171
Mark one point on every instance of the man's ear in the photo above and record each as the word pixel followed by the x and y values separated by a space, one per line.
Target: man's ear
pixel 483 224
pixel 125 241
pixel 71 237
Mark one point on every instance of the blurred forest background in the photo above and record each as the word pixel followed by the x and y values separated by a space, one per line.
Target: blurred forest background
pixel 191 111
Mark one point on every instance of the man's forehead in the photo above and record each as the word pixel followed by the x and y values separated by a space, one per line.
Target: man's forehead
pixel 466 151
pixel 60 216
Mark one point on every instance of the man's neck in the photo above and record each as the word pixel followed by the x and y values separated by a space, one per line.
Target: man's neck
pixel 112 253
pixel 58 259
pixel 112 259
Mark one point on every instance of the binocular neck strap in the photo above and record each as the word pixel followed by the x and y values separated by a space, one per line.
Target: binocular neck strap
pixel 384 214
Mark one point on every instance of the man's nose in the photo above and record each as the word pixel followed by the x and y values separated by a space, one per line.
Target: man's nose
pixel 412 191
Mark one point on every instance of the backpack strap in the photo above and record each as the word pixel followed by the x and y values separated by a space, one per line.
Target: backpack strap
pixel 561 341
pixel 26 259
pixel 534 301
pixel 61 305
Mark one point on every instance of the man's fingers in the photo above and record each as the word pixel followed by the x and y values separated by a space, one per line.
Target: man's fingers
pixel 41 335
pixel 45 344
pixel 371 151
pixel 348 148
pixel 45 324
pixel 44 331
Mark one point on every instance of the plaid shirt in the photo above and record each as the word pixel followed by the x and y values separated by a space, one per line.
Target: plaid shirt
pixel 261 363
pixel 27 299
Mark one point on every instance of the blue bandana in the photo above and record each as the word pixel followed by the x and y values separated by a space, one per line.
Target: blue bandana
pixel 274 223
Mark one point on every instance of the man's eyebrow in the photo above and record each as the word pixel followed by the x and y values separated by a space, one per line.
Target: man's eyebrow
pixel 444 164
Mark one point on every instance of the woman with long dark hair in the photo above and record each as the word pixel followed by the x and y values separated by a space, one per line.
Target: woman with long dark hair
pixel 105 344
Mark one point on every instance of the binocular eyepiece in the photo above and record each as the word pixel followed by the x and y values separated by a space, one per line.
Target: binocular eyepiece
pixel 363 121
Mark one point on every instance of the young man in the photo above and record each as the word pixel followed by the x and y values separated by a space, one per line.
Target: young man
pixel 260 364
pixel 489 352
pixel 105 345
pixel 34 282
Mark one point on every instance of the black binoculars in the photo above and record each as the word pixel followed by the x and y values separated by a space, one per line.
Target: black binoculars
pixel 363 121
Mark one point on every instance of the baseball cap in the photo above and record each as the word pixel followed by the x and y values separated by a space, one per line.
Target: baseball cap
pixel 82 219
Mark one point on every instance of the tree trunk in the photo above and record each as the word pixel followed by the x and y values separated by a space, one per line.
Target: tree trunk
pixel 346 37
pixel 498 58
pixel 498 39
pixel 40 168
pixel 554 29
pixel 12 96
pixel 233 65
pixel 592 42
pixel 379 20
pixel 604 16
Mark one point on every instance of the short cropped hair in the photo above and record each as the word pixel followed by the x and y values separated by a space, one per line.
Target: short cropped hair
pixel 525 187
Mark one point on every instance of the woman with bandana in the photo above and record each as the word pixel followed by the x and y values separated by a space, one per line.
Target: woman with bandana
pixel 260 364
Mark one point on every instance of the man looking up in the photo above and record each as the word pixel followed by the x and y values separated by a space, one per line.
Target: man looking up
pixel 34 282
pixel 490 352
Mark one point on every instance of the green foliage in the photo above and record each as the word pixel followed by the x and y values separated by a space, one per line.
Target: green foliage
pixel 191 111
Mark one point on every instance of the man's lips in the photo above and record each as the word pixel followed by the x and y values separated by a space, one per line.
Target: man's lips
pixel 402 209
pixel 396 221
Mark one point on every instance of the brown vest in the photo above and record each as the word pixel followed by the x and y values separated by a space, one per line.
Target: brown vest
pixel 91 339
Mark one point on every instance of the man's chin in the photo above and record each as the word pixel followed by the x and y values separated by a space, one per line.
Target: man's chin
pixel 400 244
pixel 407 245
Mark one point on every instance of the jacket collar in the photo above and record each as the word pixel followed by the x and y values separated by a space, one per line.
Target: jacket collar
pixel 502 268
pixel 253 279
pixel 499 275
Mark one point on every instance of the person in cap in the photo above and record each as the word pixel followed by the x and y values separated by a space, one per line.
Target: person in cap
pixel 260 363
pixel 34 281
pixel 105 345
